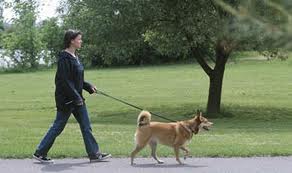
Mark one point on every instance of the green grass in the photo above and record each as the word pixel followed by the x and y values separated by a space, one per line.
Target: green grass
pixel 256 117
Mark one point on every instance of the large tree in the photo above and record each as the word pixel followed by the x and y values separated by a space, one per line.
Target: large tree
pixel 201 28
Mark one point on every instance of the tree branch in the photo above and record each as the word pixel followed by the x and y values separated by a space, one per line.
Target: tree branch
pixel 212 59
pixel 200 58
pixel 196 52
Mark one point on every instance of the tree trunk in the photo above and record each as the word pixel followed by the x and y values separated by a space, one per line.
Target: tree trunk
pixel 216 78
pixel 223 49
pixel 215 91
pixel 33 63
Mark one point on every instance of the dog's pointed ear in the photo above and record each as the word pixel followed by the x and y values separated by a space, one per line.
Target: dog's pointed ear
pixel 198 112
pixel 198 115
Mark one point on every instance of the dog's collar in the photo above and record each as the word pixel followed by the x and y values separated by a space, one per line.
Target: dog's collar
pixel 142 124
pixel 189 129
pixel 191 132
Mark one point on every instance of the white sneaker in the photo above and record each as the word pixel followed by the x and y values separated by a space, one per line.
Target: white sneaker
pixel 42 159
pixel 100 157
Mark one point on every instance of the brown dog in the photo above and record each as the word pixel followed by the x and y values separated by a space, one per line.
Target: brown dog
pixel 171 134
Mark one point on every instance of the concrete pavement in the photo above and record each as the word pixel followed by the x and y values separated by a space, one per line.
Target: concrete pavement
pixel 143 165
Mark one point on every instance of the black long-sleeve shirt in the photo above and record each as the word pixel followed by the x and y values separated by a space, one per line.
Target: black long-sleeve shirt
pixel 69 82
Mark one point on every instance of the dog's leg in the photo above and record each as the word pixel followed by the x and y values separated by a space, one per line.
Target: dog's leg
pixel 176 151
pixel 186 150
pixel 153 145
pixel 134 152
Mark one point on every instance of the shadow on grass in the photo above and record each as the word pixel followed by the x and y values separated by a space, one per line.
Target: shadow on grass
pixel 187 111
pixel 255 112
pixel 29 108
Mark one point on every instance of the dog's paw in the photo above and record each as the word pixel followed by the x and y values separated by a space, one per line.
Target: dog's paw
pixel 179 162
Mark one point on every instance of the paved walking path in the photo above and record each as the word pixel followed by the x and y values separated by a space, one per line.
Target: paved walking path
pixel 121 165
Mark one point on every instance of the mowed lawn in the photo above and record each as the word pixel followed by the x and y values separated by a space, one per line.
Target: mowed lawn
pixel 256 117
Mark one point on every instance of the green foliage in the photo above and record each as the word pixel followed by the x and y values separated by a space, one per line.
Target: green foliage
pixel 1 20
pixel 169 23
pixel 138 32
pixel 275 53
pixel 24 45
pixel 52 38
pixel 271 18
pixel 116 30
pixel 112 32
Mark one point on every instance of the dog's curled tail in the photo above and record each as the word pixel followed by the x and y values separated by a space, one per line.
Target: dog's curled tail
pixel 144 118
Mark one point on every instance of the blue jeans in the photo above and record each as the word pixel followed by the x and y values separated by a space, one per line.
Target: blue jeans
pixel 81 115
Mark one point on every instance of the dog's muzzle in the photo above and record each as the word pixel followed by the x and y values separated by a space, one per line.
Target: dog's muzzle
pixel 205 128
